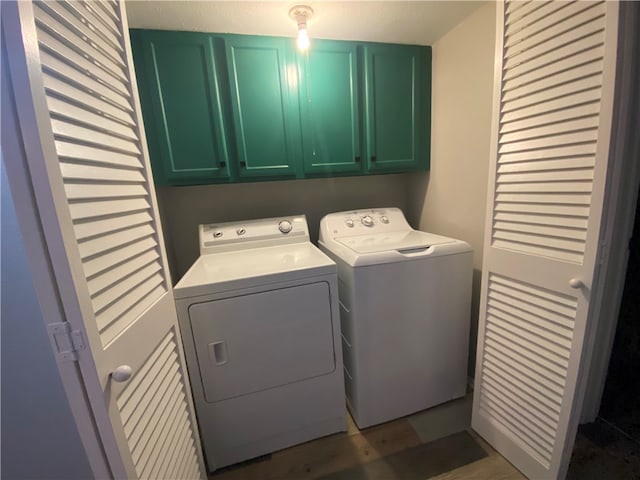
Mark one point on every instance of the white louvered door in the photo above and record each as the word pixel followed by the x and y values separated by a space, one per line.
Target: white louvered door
pixel 79 114
pixel 550 149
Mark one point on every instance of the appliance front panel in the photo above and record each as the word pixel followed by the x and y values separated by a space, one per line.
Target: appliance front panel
pixel 410 324
pixel 255 342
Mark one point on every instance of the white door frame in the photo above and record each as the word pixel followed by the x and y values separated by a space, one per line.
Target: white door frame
pixel 46 288
pixel 619 209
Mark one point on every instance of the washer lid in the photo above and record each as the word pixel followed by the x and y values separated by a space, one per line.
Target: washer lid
pixel 220 272
pixel 392 241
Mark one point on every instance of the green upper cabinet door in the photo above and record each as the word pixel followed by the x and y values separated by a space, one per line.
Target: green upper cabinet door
pixel 397 118
pixel 263 81
pixel 329 108
pixel 182 111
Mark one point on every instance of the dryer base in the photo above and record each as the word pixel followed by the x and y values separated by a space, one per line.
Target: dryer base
pixel 284 440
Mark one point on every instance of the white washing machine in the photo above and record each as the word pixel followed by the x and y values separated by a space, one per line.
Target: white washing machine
pixel 259 316
pixel 405 301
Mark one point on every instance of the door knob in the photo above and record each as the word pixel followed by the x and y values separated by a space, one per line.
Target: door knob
pixel 122 373
pixel 576 283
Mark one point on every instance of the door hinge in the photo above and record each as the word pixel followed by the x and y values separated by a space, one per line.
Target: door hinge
pixel 67 342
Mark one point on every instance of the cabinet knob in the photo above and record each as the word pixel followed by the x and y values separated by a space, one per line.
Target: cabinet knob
pixel 243 164
pixel 373 158
pixel 357 159
pixel 222 164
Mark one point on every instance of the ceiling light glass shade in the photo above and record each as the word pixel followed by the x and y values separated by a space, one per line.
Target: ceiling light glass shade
pixel 303 38
pixel 300 14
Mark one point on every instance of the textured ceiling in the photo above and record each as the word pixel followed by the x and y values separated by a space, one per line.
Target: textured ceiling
pixel 390 22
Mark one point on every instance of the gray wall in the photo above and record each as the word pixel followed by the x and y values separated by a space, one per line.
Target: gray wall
pixel 39 435
pixel 183 208
pixel 451 198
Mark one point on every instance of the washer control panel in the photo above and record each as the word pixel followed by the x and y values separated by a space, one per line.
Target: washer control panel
pixel 217 237
pixel 359 222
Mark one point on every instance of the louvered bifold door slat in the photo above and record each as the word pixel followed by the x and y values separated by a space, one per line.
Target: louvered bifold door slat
pixel 100 191
pixel 154 411
pixel 542 321
pixel 552 121
pixel 101 181
pixel 553 128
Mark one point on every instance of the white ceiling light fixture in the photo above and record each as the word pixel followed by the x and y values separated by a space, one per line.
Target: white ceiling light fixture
pixel 302 13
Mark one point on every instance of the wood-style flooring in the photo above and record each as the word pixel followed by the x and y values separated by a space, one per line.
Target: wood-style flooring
pixel 344 451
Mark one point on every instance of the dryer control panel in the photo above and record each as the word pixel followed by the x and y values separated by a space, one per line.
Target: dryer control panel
pixel 359 222
pixel 220 237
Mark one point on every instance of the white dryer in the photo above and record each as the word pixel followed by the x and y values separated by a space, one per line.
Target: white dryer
pixel 259 316
pixel 405 299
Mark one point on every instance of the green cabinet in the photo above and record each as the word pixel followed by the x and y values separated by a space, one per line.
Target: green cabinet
pixel 329 108
pixel 396 107
pixel 264 106
pixel 234 108
pixel 180 95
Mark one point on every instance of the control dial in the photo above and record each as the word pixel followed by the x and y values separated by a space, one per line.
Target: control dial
pixel 349 223
pixel 384 219
pixel 241 231
pixel 285 226
pixel 367 221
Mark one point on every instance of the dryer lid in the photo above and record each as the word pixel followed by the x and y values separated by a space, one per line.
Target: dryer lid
pixel 403 241
pixel 219 272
